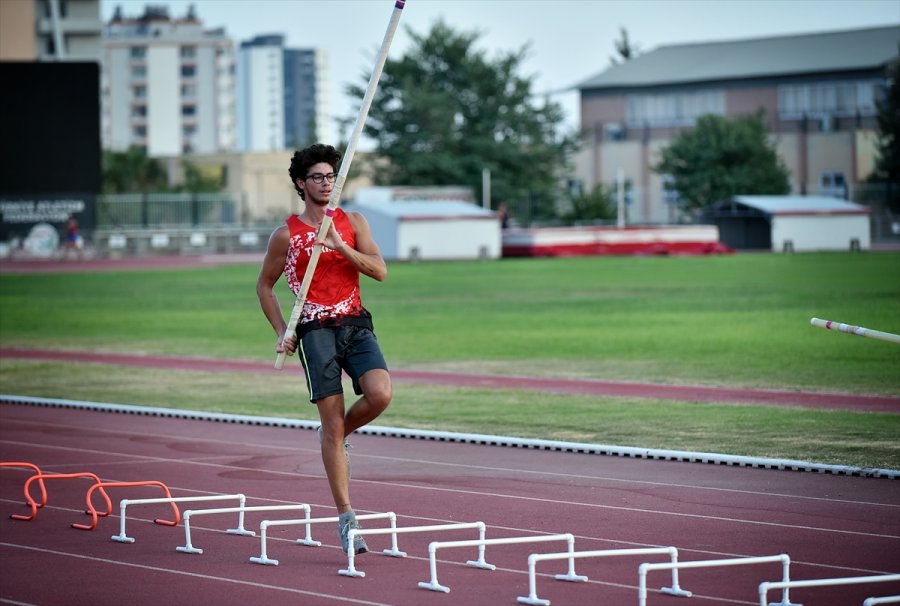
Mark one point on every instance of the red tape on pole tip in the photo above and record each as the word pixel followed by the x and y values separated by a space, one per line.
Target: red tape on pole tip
pixel 400 4
pixel 329 212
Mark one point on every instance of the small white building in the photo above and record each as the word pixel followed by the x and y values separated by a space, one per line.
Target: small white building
pixel 428 228
pixel 791 223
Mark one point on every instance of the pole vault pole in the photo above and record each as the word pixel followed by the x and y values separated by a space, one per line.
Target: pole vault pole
pixel 335 198
pixel 859 331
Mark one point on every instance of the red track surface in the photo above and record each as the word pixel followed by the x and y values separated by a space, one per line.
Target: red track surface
pixel 831 526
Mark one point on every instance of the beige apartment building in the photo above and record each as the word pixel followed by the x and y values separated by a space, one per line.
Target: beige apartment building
pixel 818 93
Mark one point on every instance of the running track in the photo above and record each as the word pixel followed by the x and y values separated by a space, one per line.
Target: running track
pixel 831 526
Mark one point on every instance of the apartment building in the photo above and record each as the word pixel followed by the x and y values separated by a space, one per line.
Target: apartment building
pixel 282 95
pixel 818 92
pixel 168 84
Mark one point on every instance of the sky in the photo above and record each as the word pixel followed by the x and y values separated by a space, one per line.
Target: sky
pixel 568 41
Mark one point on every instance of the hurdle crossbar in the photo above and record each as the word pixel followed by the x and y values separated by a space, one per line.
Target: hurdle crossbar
pixel 351 571
pixel 308 540
pixel 764 587
pixel 433 585
pixel 534 558
pixel 785 560
pixel 124 503
pixel 188 548
pixel 888 599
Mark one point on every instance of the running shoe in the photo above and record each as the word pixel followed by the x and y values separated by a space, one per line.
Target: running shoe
pixel 346 523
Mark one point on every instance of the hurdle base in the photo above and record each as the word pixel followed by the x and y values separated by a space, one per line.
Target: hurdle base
pixel 309 542
pixel 394 553
pixel 241 531
pixel 533 600
pixel 351 573
pixel 676 591
pixel 189 549
pixel 434 587
pixel 264 560
pixel 572 578
pixel 121 538
pixel 481 564
pixel 784 604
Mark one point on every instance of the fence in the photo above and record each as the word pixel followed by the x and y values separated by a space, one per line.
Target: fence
pixel 132 211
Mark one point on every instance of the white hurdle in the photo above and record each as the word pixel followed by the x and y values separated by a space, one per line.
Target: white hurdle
pixel 188 548
pixel 785 560
pixel 308 540
pixel 433 585
pixel 787 583
pixel 351 571
pixel 888 599
pixel 534 558
pixel 124 503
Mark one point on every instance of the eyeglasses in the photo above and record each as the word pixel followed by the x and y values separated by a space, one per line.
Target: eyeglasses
pixel 319 177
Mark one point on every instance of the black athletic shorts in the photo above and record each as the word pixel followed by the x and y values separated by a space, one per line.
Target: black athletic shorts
pixel 325 352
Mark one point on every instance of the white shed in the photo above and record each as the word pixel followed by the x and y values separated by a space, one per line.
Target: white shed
pixel 791 223
pixel 429 229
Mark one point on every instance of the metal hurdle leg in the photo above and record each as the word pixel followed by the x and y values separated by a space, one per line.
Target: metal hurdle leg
pixel 124 503
pixel 433 585
pixel 351 571
pixel 266 524
pixel 189 548
pixel 534 558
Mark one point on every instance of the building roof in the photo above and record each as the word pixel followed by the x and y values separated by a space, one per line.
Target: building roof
pixel 425 209
pixel 796 205
pixel 826 52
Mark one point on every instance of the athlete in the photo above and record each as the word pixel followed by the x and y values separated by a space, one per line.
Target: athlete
pixel 335 332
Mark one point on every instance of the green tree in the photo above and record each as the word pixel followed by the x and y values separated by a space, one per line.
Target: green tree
pixel 888 162
pixel 445 111
pixel 626 50
pixel 722 157
pixel 597 205
pixel 132 171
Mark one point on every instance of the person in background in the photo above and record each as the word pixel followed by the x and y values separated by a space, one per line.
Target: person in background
pixel 335 332
pixel 73 242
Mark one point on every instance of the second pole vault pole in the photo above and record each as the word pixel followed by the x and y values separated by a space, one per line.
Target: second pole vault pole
pixel 335 198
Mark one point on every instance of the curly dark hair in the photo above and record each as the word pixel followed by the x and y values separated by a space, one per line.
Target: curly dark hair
pixel 305 158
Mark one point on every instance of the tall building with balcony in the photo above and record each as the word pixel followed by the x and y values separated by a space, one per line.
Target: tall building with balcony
pixel 282 95
pixel 168 85
pixel 50 30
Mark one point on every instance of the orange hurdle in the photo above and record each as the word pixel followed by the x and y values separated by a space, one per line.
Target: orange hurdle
pixel 101 485
pixel 59 476
pixel 36 470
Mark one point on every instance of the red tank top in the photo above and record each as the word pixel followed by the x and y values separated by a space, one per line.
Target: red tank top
pixel 334 291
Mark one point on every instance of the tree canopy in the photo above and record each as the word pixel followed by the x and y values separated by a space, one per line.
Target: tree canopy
pixel 887 167
pixel 445 111
pixel 133 171
pixel 722 157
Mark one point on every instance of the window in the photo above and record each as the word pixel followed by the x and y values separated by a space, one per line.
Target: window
pixel 188 110
pixel 140 92
pixel 838 98
pixel 138 52
pixel 188 52
pixel 188 71
pixel 188 91
pixel 138 72
pixel 832 183
pixel 672 109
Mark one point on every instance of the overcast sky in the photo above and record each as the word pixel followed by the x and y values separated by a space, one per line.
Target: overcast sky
pixel 569 40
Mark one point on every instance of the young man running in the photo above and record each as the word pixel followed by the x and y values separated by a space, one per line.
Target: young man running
pixel 335 331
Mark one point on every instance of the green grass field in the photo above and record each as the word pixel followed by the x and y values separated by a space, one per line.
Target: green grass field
pixel 736 320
